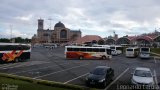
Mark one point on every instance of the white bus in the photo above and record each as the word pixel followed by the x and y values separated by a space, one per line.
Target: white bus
pixel 116 50
pixel 14 52
pixel 132 52
pixel 144 52
pixel 81 52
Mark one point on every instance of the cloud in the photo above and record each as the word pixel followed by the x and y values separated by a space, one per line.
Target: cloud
pixel 24 18
pixel 14 33
pixel 100 17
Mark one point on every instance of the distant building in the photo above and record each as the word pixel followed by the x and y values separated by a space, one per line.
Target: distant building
pixel 60 34
pixel 88 39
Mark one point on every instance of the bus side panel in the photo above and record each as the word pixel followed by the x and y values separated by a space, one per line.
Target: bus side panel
pixel 76 55
pixel 25 55
pixel 88 56
pixel 1 55
pixel 73 55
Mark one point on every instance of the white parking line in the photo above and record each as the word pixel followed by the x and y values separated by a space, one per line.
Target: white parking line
pixel 116 79
pixel 155 79
pixel 75 78
pixel 2 65
pixel 11 64
pixel 155 61
pixel 25 64
pixel 60 71
pixel 41 68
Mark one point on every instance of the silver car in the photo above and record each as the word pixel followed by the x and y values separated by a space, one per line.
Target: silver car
pixel 142 76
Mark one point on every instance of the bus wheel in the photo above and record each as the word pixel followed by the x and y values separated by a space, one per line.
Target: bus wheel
pixel 16 60
pixel 103 57
pixel 81 57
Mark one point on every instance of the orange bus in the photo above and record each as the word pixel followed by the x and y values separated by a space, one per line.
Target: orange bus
pixel 81 52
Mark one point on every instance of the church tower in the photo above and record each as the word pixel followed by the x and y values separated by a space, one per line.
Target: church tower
pixel 40 24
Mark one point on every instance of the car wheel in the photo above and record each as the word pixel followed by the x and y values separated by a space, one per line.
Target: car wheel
pixel 80 57
pixel 104 84
pixel 16 60
pixel 103 57
pixel 87 84
pixel 111 79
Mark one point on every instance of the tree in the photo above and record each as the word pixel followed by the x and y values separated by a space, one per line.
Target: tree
pixel 27 40
pixel 101 42
pixel 19 40
pixel 5 40
pixel 15 40
pixel 94 42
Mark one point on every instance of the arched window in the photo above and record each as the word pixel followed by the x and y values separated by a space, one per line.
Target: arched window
pixel 63 34
pixel 45 34
pixel 110 41
pixel 123 40
pixel 157 39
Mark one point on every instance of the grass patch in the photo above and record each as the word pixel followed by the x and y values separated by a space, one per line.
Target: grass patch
pixel 155 50
pixel 23 85
pixel 26 83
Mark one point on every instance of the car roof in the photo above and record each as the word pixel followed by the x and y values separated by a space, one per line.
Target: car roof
pixel 143 68
pixel 102 67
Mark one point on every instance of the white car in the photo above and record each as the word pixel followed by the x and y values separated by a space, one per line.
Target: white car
pixel 113 52
pixel 142 76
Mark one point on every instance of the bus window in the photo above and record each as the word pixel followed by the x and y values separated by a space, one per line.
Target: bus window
pixel 118 48
pixel 89 49
pixel 101 50
pixel 2 48
pixel 129 49
pixel 95 50
pixel 69 49
pixel 82 49
pixel 145 49
pixel 75 49
pixel 108 51
pixel 112 47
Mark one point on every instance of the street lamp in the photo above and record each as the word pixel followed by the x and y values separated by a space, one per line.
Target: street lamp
pixel 50 21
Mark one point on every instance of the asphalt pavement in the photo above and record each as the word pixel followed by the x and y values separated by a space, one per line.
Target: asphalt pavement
pixel 51 65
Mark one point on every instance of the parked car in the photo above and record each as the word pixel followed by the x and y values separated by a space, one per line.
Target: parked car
pixel 100 76
pixel 142 76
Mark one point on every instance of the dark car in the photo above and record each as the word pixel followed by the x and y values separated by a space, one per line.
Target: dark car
pixel 100 76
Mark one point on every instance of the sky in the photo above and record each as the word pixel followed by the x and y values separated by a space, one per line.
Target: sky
pixel 92 17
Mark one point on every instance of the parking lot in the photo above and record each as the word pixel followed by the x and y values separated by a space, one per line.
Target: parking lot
pixel 51 65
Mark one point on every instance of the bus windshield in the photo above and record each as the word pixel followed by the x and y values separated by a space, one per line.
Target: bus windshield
pixel 145 49
pixel 129 49
pixel 112 47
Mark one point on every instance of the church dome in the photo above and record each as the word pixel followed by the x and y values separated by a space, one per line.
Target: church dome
pixel 59 24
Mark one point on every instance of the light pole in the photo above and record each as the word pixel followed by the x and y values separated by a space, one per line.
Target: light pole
pixel 11 33
pixel 50 27
pixel 50 21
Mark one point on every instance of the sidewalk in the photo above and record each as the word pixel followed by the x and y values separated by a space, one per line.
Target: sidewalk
pixel 155 53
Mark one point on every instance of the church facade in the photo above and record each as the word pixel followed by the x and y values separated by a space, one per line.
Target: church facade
pixel 60 34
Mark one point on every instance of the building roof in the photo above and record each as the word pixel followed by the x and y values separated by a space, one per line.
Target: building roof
pixel 148 38
pixel 59 24
pixel 87 38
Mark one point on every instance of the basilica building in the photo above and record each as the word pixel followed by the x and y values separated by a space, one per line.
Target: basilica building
pixel 60 34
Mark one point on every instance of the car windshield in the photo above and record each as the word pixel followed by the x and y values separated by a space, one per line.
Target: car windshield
pixel 145 49
pixel 98 71
pixel 112 47
pixel 143 73
pixel 129 49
